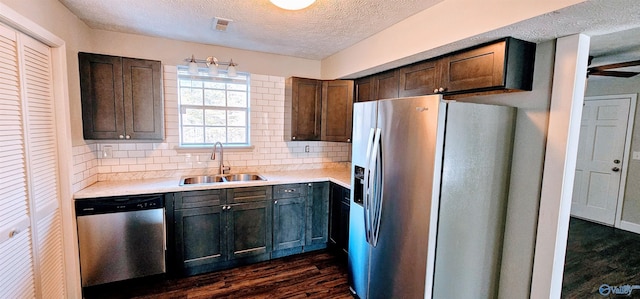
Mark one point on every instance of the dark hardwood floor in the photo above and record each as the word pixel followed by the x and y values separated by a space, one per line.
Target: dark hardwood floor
pixel 310 275
pixel 597 255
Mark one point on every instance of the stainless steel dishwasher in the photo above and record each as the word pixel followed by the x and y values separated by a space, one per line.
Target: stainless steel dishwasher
pixel 120 238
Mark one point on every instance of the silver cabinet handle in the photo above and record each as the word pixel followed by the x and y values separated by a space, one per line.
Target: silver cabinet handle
pixel 127 137
pixel 293 138
pixel 275 202
pixel 289 190
pixel 121 136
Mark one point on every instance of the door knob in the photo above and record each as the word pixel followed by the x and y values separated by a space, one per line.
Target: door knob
pixel 615 169
pixel 616 161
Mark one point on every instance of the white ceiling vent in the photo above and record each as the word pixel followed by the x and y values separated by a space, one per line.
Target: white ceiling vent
pixel 221 24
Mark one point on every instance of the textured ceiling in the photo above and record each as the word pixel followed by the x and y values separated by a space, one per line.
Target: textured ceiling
pixel 324 28
pixel 329 26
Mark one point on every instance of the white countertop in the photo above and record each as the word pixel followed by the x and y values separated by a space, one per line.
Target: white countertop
pixel 340 176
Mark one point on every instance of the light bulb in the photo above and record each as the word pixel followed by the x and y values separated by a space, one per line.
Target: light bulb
pixel 212 63
pixel 213 70
pixel 193 66
pixel 231 70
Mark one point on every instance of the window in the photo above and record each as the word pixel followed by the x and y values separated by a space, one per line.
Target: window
pixel 213 109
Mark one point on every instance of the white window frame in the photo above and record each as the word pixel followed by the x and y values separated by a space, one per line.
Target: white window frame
pixel 220 78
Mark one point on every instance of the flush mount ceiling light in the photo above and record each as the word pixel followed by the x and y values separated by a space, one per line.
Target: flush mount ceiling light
pixel 212 64
pixel 292 4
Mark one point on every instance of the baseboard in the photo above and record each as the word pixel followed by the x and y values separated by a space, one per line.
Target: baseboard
pixel 630 226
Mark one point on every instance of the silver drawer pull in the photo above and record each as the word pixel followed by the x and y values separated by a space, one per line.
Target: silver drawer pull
pixel 289 190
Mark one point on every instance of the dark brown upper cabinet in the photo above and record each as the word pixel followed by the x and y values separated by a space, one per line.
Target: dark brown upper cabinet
pixel 498 66
pixel 380 86
pixel 337 110
pixel 317 110
pixel 503 65
pixel 385 85
pixel 364 89
pixel 419 79
pixel 303 109
pixel 121 98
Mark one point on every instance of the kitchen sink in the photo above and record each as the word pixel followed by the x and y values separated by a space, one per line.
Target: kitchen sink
pixel 201 179
pixel 211 179
pixel 243 177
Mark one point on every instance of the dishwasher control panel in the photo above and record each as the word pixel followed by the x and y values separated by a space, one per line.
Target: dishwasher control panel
pixel 118 204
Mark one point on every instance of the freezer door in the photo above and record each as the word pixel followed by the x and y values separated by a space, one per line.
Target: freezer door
pixel 364 121
pixel 475 178
pixel 411 150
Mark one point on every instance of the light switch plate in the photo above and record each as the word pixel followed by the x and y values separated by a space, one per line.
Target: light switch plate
pixel 636 155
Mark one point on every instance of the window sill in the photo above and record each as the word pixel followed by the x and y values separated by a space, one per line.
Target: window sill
pixel 208 149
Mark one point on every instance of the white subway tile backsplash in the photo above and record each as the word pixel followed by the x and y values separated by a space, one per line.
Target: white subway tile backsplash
pixel 270 152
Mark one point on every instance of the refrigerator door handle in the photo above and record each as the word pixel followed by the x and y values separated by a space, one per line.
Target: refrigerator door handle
pixel 365 186
pixel 375 201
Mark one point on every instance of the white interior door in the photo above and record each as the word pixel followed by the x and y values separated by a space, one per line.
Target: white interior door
pixel 600 157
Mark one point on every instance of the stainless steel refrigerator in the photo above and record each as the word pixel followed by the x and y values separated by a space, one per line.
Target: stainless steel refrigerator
pixel 428 198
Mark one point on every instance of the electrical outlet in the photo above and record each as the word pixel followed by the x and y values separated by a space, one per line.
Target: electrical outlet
pixel 636 155
pixel 306 148
pixel 107 152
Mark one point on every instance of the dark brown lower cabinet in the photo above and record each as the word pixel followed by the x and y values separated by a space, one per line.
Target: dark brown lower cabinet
pixel 300 218
pixel 199 239
pixel 289 221
pixel 339 220
pixel 318 217
pixel 249 230
pixel 216 237
pixel 210 230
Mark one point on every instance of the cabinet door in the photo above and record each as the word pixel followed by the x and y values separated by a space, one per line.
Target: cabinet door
pixel 419 79
pixel 339 217
pixel 364 89
pixel 102 96
pixel 143 105
pixel 249 230
pixel 306 109
pixel 289 219
pixel 344 225
pixel 337 106
pixel 334 214
pixel 199 240
pixel 385 85
pixel 475 69
pixel 318 214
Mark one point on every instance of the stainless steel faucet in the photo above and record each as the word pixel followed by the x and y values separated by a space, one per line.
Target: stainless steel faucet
pixel 221 168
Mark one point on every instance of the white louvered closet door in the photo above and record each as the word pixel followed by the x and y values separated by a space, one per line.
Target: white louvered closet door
pixel 42 166
pixel 16 263
pixel 31 253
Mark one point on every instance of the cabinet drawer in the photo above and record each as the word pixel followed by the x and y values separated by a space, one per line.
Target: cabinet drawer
pixel 249 194
pixel 290 190
pixel 196 199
